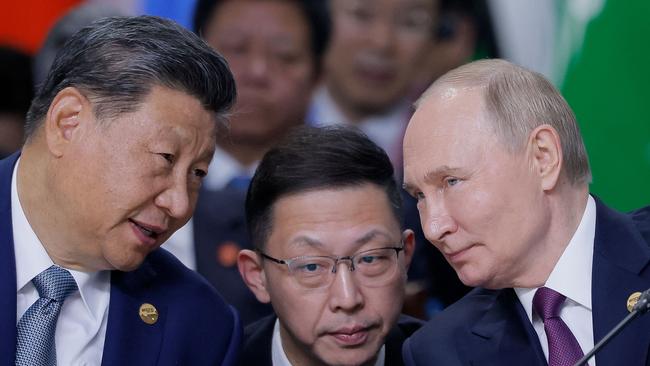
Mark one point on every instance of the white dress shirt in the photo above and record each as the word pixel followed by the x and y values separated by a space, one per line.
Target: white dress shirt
pixel 279 358
pixel 572 278
pixel 81 327
pixel 222 170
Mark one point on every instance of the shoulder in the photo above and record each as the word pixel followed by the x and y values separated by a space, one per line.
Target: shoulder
pixel 199 327
pixel 408 325
pixel 641 219
pixel 192 304
pixel 256 347
pixel 179 283
pixel 455 321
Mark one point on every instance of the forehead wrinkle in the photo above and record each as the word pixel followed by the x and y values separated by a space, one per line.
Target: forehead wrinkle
pixel 372 234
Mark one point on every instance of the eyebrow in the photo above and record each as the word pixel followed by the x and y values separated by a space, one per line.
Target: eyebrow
pixel 432 176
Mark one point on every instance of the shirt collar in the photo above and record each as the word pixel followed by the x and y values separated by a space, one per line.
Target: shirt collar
pixel 325 112
pixel 571 275
pixel 32 259
pixel 279 358
pixel 223 169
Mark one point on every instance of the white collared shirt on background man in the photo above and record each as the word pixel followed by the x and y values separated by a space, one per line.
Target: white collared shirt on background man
pixel 572 278
pixel 81 327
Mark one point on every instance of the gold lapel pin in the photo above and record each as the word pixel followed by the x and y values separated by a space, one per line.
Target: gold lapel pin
pixel 632 300
pixel 148 313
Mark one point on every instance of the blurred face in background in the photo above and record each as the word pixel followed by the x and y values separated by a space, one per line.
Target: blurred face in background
pixel 376 50
pixel 268 47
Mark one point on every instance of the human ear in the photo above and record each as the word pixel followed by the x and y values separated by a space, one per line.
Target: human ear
pixel 546 155
pixel 408 240
pixel 251 270
pixel 68 111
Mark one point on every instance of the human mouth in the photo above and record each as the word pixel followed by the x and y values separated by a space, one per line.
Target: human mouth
pixel 147 234
pixel 350 336
pixel 458 255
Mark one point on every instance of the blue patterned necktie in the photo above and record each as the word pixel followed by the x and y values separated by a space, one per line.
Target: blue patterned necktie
pixel 563 347
pixel 35 330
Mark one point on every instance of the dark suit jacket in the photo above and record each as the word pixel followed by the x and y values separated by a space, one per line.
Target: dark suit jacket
pixel 195 326
pixel 490 327
pixel 219 226
pixel 256 349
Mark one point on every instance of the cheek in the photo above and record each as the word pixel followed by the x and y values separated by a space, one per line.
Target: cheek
pixel 300 310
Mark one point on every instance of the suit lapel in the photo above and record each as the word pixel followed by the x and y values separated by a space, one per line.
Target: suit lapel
pixel 504 335
pixel 7 266
pixel 257 346
pixel 620 267
pixel 128 337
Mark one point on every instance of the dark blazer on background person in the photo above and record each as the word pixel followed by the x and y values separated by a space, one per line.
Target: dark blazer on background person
pixel 220 231
pixel 194 326
pixel 490 327
pixel 256 347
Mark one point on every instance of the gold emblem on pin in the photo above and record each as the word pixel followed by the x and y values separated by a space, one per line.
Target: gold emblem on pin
pixel 632 300
pixel 148 313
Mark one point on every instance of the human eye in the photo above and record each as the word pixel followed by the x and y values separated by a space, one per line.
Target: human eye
pixel 452 181
pixel 310 266
pixel 200 173
pixel 416 20
pixel 170 158
pixel 359 12
pixel 419 195
pixel 372 257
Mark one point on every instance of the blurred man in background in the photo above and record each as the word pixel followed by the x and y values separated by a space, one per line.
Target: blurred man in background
pixel 377 48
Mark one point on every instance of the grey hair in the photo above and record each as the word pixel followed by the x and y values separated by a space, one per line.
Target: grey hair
pixel 516 101
pixel 116 61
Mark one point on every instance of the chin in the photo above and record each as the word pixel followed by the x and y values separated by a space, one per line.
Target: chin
pixel 350 361
pixel 471 278
pixel 127 264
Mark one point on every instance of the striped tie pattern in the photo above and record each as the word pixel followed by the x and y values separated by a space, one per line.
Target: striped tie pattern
pixel 35 330
pixel 563 347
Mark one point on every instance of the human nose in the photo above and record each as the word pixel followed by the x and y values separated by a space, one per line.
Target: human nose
pixel 345 294
pixel 257 69
pixel 381 34
pixel 437 222
pixel 175 199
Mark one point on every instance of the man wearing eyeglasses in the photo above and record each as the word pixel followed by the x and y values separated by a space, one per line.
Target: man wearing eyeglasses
pixel 323 210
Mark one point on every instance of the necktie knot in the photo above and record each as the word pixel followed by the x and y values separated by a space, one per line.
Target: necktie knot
pixel 547 303
pixel 54 283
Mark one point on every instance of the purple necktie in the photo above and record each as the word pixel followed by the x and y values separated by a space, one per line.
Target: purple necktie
pixel 563 348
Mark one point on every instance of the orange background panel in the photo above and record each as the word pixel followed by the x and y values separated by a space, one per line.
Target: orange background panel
pixel 25 23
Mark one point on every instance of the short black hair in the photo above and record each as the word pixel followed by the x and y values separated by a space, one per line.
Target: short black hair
pixel 116 61
pixel 313 158
pixel 316 13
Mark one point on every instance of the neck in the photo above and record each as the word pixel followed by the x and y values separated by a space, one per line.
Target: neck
pixel 352 112
pixel 36 186
pixel 566 207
